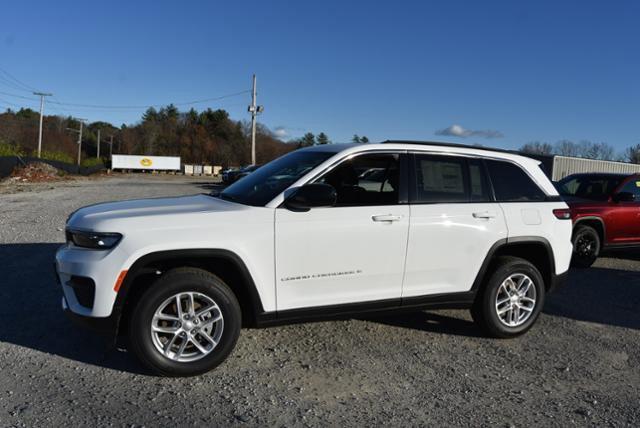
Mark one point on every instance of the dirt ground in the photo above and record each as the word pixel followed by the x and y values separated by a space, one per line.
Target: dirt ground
pixel 579 366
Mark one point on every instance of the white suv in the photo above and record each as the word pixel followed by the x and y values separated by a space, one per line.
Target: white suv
pixel 327 231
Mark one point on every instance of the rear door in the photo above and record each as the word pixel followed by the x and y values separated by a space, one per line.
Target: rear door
pixel 454 223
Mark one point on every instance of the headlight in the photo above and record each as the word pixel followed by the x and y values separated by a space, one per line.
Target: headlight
pixel 95 240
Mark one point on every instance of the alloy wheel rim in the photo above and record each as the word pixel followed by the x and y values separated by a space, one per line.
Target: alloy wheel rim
pixel 187 326
pixel 585 246
pixel 515 300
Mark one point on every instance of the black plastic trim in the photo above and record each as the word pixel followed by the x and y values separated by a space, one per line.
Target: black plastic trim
pixel 558 281
pixel 598 219
pixel 104 326
pixel 140 267
pixel 539 240
pixel 349 310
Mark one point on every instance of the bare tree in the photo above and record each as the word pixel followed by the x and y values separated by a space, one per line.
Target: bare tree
pixel 537 148
pixel 632 154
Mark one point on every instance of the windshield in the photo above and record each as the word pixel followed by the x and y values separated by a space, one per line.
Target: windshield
pixel 270 180
pixel 589 187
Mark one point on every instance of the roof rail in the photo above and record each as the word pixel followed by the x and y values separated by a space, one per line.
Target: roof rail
pixel 455 145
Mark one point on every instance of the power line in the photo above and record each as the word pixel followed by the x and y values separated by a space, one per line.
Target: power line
pixel 8 83
pixel 200 101
pixel 18 96
pixel 133 107
pixel 19 82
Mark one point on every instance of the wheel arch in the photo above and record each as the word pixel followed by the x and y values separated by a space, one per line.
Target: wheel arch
pixel 223 263
pixel 593 221
pixel 535 249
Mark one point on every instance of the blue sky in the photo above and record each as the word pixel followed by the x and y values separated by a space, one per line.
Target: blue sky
pixel 505 72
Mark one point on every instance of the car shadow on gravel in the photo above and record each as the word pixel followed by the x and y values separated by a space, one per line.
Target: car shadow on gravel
pixel 599 295
pixel 430 322
pixel 32 316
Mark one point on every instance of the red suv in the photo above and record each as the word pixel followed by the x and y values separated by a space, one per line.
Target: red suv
pixel 605 210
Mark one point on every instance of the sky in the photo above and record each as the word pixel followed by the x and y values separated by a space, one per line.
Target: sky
pixel 497 73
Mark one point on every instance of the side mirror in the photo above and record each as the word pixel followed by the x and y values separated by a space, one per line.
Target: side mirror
pixel 313 195
pixel 624 197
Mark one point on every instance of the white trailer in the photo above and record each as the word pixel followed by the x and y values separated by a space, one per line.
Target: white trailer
pixel 157 163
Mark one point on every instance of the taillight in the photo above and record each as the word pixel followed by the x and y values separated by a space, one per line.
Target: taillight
pixel 562 213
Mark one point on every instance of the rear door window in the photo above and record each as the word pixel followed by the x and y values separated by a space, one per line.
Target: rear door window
pixel 633 187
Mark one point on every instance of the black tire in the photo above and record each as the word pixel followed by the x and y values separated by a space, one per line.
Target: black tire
pixel 484 310
pixel 173 282
pixel 586 246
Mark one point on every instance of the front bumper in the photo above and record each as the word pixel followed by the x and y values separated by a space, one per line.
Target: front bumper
pixel 107 326
pixel 99 270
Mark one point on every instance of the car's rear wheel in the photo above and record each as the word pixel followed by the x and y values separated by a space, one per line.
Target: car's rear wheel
pixel 185 324
pixel 511 299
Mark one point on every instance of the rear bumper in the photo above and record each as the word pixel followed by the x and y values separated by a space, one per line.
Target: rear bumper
pixel 558 281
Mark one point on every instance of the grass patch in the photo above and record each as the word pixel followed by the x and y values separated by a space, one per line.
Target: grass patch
pixel 55 156
pixel 92 162
pixel 7 149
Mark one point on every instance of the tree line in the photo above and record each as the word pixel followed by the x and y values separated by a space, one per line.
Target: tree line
pixel 206 137
pixel 583 149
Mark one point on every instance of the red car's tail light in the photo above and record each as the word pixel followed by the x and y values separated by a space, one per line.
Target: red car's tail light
pixel 562 213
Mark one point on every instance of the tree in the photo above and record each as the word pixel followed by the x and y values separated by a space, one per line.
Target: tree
pixel 307 140
pixel 323 139
pixel 596 150
pixel 364 139
pixel 566 148
pixel 209 136
pixel 537 148
pixel 632 154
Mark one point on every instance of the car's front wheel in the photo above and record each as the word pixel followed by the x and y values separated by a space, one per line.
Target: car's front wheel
pixel 586 246
pixel 185 324
pixel 511 299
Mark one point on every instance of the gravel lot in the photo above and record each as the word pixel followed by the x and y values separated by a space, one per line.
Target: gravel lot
pixel 580 365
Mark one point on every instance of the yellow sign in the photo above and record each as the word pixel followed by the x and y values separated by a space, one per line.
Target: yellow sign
pixel 146 162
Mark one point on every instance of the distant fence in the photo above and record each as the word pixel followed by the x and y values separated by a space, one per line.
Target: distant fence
pixel 9 163
pixel 189 169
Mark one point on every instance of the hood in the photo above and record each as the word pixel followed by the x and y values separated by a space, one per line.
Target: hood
pixel 92 216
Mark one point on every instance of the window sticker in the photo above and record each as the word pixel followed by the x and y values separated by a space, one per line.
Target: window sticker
pixel 637 183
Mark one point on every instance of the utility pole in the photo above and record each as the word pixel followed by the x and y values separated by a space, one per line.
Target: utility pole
pixel 42 95
pixel 79 131
pixel 254 110
pixel 98 152
pixel 111 146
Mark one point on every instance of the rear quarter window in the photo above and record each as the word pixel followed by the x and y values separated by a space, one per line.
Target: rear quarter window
pixel 512 184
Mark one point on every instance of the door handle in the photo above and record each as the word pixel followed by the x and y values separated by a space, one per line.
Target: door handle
pixel 386 217
pixel 484 214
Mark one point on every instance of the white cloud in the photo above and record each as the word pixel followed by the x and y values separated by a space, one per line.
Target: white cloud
pixel 281 133
pixel 459 131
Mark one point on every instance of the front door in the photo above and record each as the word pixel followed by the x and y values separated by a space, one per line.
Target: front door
pixel 623 225
pixel 351 252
